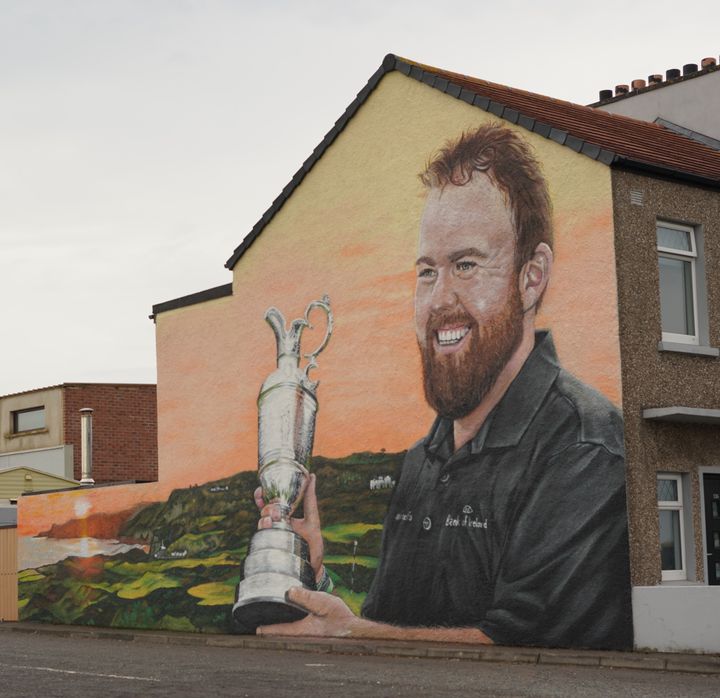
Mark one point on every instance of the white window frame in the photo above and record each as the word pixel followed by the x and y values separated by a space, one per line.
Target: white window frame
pixel 685 256
pixel 677 505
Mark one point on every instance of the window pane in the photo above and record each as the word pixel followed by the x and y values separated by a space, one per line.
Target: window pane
pixel 676 296
pixel 674 239
pixel 667 490
pixel 670 551
pixel 30 419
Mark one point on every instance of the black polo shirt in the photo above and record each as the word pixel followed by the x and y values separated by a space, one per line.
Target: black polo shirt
pixel 522 532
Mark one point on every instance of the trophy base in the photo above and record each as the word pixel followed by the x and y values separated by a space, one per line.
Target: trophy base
pixel 250 617
pixel 278 561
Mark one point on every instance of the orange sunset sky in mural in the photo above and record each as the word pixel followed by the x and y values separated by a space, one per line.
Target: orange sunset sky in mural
pixel 351 232
pixel 370 311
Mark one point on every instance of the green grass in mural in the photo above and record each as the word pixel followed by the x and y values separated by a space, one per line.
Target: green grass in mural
pixel 176 624
pixel 215 593
pixel 194 543
pixel 149 582
pixel 363 561
pixel 209 520
pixel 208 528
pixel 132 569
pixel 353 599
pixel 348 532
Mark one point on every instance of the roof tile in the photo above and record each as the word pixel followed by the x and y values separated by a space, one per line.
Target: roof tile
pixel 606 137
pixel 467 95
pixel 633 140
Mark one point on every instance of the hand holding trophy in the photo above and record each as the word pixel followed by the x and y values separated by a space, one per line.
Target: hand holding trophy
pixel 278 558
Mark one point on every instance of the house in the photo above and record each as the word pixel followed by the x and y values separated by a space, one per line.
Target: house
pixel 632 304
pixel 661 188
pixel 19 480
pixel 40 442
pixel 685 102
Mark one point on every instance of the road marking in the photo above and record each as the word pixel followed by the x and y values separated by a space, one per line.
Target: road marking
pixel 80 673
pixel 318 665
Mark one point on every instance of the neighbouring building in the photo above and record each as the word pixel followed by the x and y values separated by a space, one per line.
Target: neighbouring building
pixel 16 481
pixel 684 101
pixel 40 443
pixel 633 304
pixel 676 415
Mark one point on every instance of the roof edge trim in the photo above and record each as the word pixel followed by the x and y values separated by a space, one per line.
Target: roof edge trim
pixel 389 64
pixel 642 167
pixel 209 294
pixel 502 111
pixel 653 87
pixel 709 141
pixel 439 82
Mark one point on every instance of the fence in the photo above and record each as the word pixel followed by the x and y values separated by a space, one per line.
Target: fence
pixel 8 574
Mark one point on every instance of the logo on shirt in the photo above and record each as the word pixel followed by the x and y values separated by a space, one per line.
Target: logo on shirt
pixel 467 519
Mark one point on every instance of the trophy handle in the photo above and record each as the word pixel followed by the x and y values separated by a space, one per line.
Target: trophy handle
pixel 323 305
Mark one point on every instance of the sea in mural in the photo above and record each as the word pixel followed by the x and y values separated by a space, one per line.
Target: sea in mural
pixel 176 564
pixel 39 551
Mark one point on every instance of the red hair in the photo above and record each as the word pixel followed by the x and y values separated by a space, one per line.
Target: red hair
pixel 507 160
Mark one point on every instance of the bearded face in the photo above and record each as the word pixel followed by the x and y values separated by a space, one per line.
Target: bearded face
pixel 468 310
pixel 456 383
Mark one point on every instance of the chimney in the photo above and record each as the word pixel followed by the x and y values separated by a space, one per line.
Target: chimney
pixel 655 79
pixel 690 68
pixel 605 94
pixel 86 446
pixel 708 62
pixel 638 84
pixel 621 90
pixel 672 74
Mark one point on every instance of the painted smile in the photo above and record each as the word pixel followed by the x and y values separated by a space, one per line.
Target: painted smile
pixel 447 337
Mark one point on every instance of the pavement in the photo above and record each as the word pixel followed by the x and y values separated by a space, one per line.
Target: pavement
pixel 642 660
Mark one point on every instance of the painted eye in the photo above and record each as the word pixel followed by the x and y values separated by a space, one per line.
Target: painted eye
pixel 427 273
pixel 465 268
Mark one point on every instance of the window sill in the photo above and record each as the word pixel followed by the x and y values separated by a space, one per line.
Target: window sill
pixel 30 432
pixel 688 349
pixel 681 583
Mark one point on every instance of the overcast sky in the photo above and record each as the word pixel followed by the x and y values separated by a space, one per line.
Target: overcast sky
pixel 140 140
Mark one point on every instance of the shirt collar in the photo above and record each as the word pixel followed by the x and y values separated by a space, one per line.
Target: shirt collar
pixel 510 418
pixel 526 394
pixel 439 441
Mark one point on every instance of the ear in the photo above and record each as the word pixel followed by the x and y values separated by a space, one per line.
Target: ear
pixel 534 276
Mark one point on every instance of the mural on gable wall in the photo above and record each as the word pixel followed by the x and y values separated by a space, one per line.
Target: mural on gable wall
pixel 468 476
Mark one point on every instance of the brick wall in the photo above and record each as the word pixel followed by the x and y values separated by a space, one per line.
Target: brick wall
pixel 124 429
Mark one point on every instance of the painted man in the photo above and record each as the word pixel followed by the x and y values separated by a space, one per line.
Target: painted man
pixel 508 522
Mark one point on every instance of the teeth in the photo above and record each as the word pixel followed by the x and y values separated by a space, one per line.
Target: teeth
pixel 446 337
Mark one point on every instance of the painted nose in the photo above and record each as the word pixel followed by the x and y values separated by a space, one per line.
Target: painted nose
pixel 444 295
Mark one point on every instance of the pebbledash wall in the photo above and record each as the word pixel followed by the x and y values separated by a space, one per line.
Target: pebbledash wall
pixel 169 554
pixel 682 613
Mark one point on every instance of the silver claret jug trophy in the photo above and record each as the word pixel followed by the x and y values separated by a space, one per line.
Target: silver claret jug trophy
pixel 278 558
